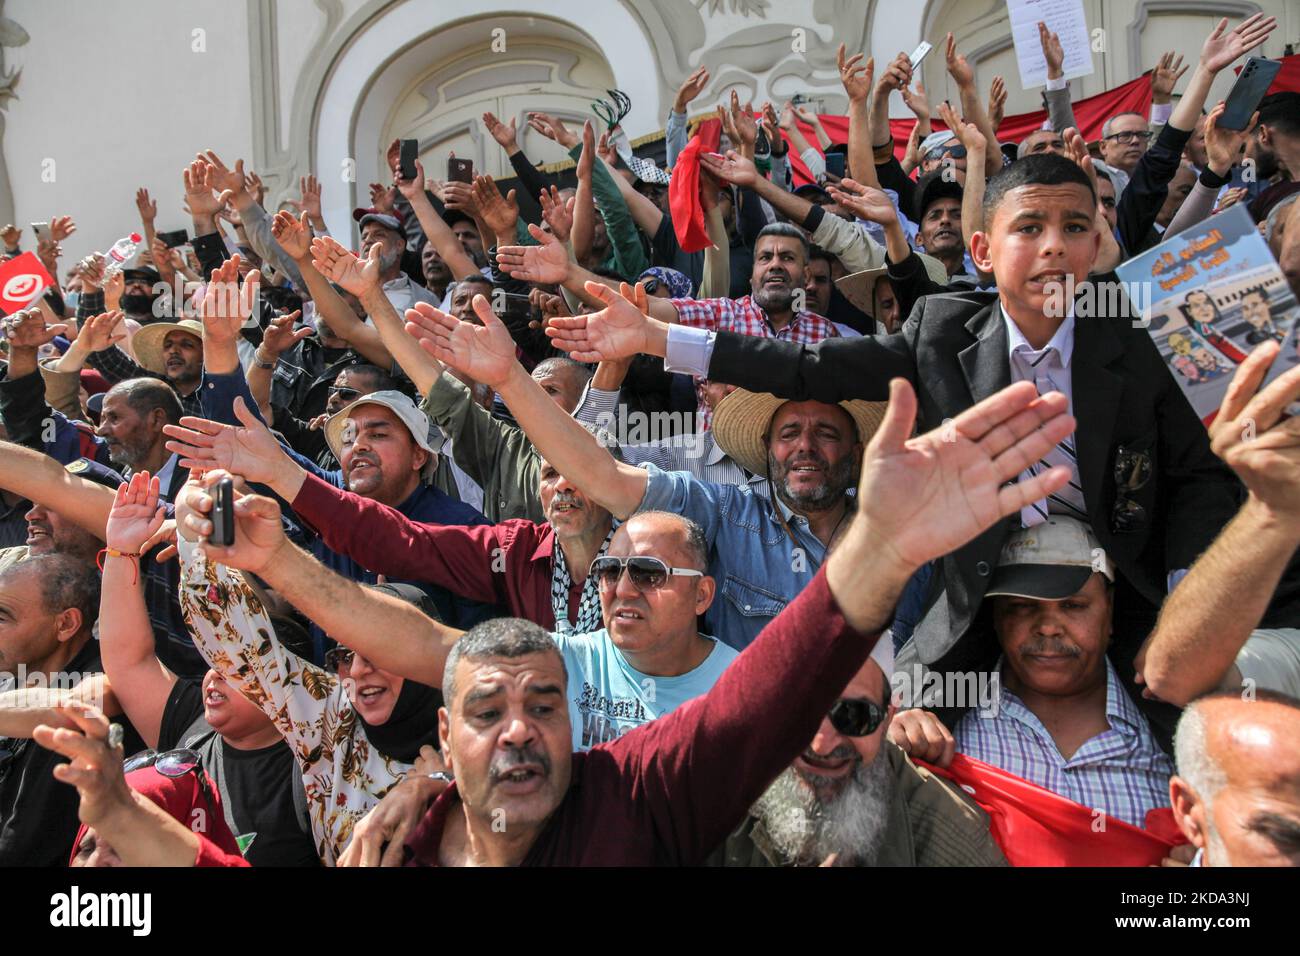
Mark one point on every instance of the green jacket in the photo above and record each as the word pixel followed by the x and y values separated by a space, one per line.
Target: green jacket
pixel 931 823
pixel 497 455
pixel 627 254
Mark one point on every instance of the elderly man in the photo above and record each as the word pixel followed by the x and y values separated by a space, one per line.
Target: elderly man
pixel 1063 719
pixel 385 230
pixel 670 792
pixel 1237 792
pixel 1124 139
pixel 764 551
pixel 854 796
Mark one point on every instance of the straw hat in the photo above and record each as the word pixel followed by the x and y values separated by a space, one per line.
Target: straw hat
pixel 148 342
pixel 859 287
pixel 742 419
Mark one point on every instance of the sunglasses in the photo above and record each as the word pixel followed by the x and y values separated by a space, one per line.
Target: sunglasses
pixel 1132 472
pixel 647 574
pixel 651 284
pixel 173 764
pixel 347 394
pixel 856 718
pixel 337 658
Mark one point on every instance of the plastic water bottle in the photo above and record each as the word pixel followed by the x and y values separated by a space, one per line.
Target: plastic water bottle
pixel 123 251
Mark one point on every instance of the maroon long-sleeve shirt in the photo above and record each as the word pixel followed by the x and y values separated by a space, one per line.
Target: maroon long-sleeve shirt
pixel 669 792
pixel 509 563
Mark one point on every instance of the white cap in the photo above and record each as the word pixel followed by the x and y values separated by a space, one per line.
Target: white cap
pixel 425 433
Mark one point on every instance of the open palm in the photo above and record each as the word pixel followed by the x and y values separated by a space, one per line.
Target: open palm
pixel 1221 48
pixel 249 451
pixel 927 496
pixel 135 515
pixel 486 353
pixel 292 234
pixel 546 264
pixel 342 267
pixel 617 331
pixel 870 204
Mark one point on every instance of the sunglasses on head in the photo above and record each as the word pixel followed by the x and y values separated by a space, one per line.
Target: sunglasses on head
pixel 856 718
pixel 647 574
pixel 173 764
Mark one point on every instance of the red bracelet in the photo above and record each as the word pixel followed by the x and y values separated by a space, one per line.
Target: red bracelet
pixel 114 553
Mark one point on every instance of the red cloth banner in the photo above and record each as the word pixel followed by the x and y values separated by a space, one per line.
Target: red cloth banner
pixel 23 280
pixel 1036 827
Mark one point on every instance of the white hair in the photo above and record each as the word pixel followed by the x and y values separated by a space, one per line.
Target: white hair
pixel 1200 771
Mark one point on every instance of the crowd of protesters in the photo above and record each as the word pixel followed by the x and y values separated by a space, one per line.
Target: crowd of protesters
pixel 556 541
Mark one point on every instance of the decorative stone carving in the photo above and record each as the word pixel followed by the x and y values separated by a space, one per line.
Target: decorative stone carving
pixel 11 34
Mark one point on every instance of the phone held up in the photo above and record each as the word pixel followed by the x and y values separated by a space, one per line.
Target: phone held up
pixel 223 515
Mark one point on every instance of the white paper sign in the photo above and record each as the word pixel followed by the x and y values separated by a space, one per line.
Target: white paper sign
pixel 1064 18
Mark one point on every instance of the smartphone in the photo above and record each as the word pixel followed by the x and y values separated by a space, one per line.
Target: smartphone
pixel 511 305
pixel 42 230
pixel 223 515
pixel 174 239
pixel 919 54
pixel 460 170
pixel 835 164
pixel 1243 99
pixel 406 159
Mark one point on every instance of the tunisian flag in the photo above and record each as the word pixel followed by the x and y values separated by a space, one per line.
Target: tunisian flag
pixel 1036 827
pixel 684 188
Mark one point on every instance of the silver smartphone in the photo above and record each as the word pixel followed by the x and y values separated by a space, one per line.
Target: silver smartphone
pixel 919 54
pixel 42 230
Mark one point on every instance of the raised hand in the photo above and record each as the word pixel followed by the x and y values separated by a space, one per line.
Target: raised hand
pixel 733 168
pixel 309 188
pixel 917 101
pixel 997 101
pixel 691 87
pixel 340 266
pixel 1223 146
pixel 545 264
pixel 412 189
pixel 136 516
pixel 94 767
pixel 1053 52
pixel 1077 150
pixel 1166 76
pixel 49 251
pixel 259 535
pixel 618 331
pixel 961 71
pixel 381 198
pixel 968 134
pixel 280 334
pixel 921 498
pixel 222 177
pixel 485 353
pixel 500 213
pixel 1222 48
pixel 61 227
pixel 557 212
pixel 256 188
pixel 897 75
pixel 103 331
pixel 293 234
pixel 739 124
pixel 605 150
pixel 870 204
pixel 198 190
pixel 249 451
pixel 114 286
pixel 855 76
pixel 553 129
pixel 587 158
pixel 226 305
pixel 507 137
pixel 27 330
pixel 92 272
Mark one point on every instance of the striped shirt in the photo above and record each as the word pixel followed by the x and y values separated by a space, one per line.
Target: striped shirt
pixel 1121 771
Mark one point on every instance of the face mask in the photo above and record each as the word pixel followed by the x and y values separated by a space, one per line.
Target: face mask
pixel 137 304
pixel 71 300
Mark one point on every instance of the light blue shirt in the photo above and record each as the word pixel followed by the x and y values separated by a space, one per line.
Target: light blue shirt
pixel 608 696
pixel 760 567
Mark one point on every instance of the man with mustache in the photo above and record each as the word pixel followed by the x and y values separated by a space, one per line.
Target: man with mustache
pixel 763 550
pixel 854 796
pixel 1063 719
pixel 385 230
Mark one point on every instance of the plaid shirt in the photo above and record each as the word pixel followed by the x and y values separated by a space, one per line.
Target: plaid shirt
pixel 1121 771
pixel 744 317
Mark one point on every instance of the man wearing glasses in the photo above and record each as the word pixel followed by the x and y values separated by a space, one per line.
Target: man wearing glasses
pixel 1124 140
pixel 854 796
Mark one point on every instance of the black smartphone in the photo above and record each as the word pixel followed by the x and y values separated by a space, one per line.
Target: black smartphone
pixel 511 305
pixel 460 170
pixel 1243 99
pixel 835 164
pixel 223 515
pixel 175 238
pixel 406 160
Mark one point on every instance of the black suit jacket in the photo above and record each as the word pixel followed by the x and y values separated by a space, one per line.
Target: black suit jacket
pixel 954 351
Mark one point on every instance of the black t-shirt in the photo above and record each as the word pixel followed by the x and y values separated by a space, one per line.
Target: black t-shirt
pixel 38 814
pixel 256 786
